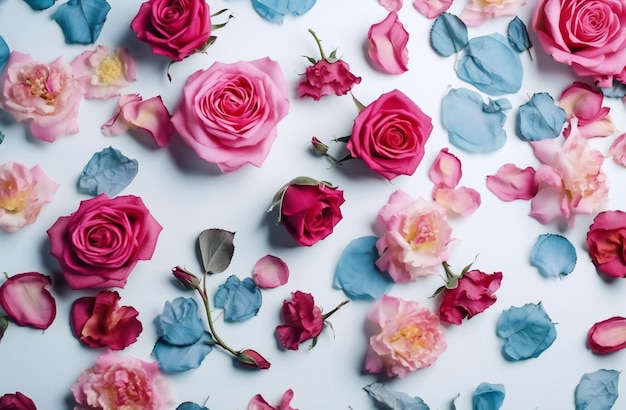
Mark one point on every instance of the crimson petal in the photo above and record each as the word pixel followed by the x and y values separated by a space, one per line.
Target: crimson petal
pixel 26 299
pixel 607 336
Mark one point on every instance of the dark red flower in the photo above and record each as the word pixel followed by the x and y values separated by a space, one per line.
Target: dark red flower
pixel 302 320
pixel 473 294
pixel 16 401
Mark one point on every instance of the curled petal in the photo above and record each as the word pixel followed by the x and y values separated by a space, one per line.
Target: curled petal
pixel 511 183
pixel 607 336
pixel 388 40
pixel 446 169
pixel 391 5
pixel 617 150
pixel 432 8
pixel 463 200
pixel 26 299
pixel 270 272
pixel 583 102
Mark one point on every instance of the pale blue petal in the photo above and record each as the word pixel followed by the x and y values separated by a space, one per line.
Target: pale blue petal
pixel 597 390
pixel 618 90
pixel 540 118
pixel 81 20
pixel 393 400
pixel 108 172
pixel 527 331
pixel 179 324
pixel 4 53
pixel 488 396
pixel 240 300
pixel 40 4
pixel 190 406
pixel 448 34
pixel 172 358
pixel 517 35
pixel 553 255
pixel 276 10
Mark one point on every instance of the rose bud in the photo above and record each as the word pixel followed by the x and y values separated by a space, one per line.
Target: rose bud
pixel 186 278
pixel 250 358
pixel 318 146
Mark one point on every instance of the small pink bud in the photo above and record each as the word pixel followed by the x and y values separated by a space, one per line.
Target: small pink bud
pixel 253 359
pixel 187 279
pixel 319 146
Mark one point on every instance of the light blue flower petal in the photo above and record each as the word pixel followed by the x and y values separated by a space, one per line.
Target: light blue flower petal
pixel 472 125
pixel 190 406
pixel 179 324
pixel 491 65
pixel 40 4
pixel 1 137
pixel 108 172
pixel 517 35
pixel 448 34
pixel 527 331
pixel 393 400
pixel 553 255
pixel 597 390
pixel 240 300
pixel 618 90
pixel 81 20
pixel 356 272
pixel 4 53
pixel 276 10
pixel 488 396
pixel 540 118
pixel 172 358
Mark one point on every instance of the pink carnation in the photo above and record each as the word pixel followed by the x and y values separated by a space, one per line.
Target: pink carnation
pixel 103 72
pixel 476 12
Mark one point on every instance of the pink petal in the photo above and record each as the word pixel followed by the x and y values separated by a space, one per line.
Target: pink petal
pixel 391 5
pixel 432 8
pixel 270 272
pixel 607 336
pixel 463 201
pixel 26 299
pixel 388 40
pixel 511 183
pixel 446 169
pixel 617 150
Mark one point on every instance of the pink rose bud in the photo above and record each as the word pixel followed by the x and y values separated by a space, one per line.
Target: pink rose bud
pixel 319 146
pixel 187 279
pixel 250 358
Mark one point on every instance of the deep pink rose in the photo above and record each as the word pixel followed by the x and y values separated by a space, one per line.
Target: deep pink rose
pixel 606 240
pixel 589 35
pixel 99 245
pixel 302 320
pixel 389 135
pixel 16 401
pixel 327 78
pixel 474 293
pixel 607 336
pixel 173 28
pixel 229 112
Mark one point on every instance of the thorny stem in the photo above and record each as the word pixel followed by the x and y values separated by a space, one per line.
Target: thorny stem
pixel 207 308
pixel 339 306
pixel 319 44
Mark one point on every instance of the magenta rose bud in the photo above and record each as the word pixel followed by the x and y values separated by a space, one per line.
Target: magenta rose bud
pixel 253 359
pixel 606 241
pixel 16 401
pixel 302 320
pixel 187 279
pixel 319 146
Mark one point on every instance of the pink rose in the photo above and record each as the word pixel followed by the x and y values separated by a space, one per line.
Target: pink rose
pixel 607 336
pixel 46 94
pixel 259 403
pixel 173 28
pixel 116 382
pixel 103 72
pixel 407 337
pixel 16 401
pixel 99 245
pixel 583 102
pixel 229 113
pixel 606 240
pixel 589 35
pixel 474 293
pixel 302 320
pixel 327 78
pixel 388 40
pixel 389 135
pixel 476 12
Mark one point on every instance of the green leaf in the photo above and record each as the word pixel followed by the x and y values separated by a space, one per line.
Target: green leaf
pixel 216 249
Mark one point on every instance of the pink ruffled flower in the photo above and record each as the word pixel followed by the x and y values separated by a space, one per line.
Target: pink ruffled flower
pixel 46 94
pixel 416 237
pixel 617 150
pixel 259 403
pixel 446 169
pixel 408 337
pixel 103 72
pixel 511 183
pixel 432 8
pixel 463 201
pixel 150 116
pixel 391 5
pixel 23 193
pixel 388 45
pixel 583 102
pixel 476 12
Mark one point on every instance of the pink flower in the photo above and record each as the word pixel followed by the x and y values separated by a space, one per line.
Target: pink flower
pixel 270 272
pixel 432 8
pixel 259 403
pixel 446 169
pixel 588 35
pixel 327 78
pixel 581 101
pixel 416 237
pixel 103 72
pixel 408 337
pixel 617 150
pixel 26 298
pixel 607 336
pixel 391 5
pixel 253 359
pixel 476 12
pixel 606 241
pixel 23 193
pixel 46 94
pixel 16 401
pixel 229 113
pixel 116 382
pixel 302 320
pixel 150 116
pixel 388 45
pixel 462 201
pixel 511 183
pixel 474 293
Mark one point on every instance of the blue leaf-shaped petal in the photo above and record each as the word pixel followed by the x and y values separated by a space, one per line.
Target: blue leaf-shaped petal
pixel 190 406
pixel 108 172
pixel 527 331
pixel 491 65
pixel 276 10
pixel 472 125
pixel 488 396
pixel 517 35
pixel 393 400
pixel 81 20
pixel 597 390
pixel 179 324
pixel 356 271
pixel 448 34
pixel 40 4
pixel 172 358
pixel 1 137
pixel 540 118
pixel 618 90
pixel 553 255
pixel 4 53
pixel 240 300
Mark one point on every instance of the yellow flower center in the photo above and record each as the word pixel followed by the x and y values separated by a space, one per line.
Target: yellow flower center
pixel 11 199
pixel 422 234
pixel 39 89
pixel 410 336
pixel 109 70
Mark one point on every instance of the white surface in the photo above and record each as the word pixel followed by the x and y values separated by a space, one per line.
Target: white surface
pixel 187 195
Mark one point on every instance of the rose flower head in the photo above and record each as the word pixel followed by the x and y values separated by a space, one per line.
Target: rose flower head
pixel 17 401
pixel 606 242
pixel 103 72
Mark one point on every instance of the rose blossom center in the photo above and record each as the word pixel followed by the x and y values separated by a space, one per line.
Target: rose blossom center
pixel 40 83
pixel 11 198
pixel 610 247
pixel 422 233
pixel 109 70
pixel 127 389
pixel 409 337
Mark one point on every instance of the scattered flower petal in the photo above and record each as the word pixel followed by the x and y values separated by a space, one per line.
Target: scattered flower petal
pixel 179 324
pixel 391 5
pixel 432 8
pixel 180 358
pixel 103 71
pixel 583 102
pixel 617 150
pixel 258 402
pixel 40 4
pixel 477 12
pixel 81 20
pixel 4 53
pixel 190 406
pixel 607 336
pixel 488 396
pixel 462 201
pixel 617 90
pixel 527 331
pixel 270 272
pixel 448 35
pixel 240 299
pixel 517 34
pixel 553 255
pixel 107 172
pixel 388 45
pixel 597 390
pixel 511 183
pixel 26 298
pixel 446 169
pixel 276 10
pixel 394 400
pixel 540 118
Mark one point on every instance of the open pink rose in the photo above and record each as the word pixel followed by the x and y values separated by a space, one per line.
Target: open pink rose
pixel 388 40
pixel 99 245
pixel 46 94
pixel 606 240
pixel 258 402
pixel 229 113
pixel 103 72
pixel 588 35
pixel 302 320
pixel 474 293
pixel 16 401
pixel 476 12
pixel 407 337
pixel 26 298
pixel 583 102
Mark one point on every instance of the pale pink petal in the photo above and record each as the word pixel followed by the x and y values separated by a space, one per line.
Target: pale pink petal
pixel 117 125
pixel 258 403
pixel 511 183
pixel 585 103
pixel 432 8
pixel 26 299
pixel 617 150
pixel 270 272
pixel 476 12
pixel 462 201
pixel 545 206
pixel 599 128
pixel 391 5
pixel 388 45
pixel 446 169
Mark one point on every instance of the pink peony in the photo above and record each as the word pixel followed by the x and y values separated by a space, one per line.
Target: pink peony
pixel 388 40
pixel 432 8
pixel 476 12
pixel 583 102
pixel 103 72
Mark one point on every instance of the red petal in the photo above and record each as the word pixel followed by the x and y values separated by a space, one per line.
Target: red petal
pixel 608 336
pixel 26 299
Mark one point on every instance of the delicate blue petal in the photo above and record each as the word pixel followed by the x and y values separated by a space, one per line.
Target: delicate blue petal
pixel 1 137
pixel 618 90
pixel 527 331
pixel 108 172
pixel 472 125
pixel 491 65
pixel 488 396
pixel 448 34
pixel 240 300
pixel 81 20
pixel 356 271
pixel 40 4
pixel 393 400
pixel 190 406
pixel 540 118
pixel 597 390
pixel 276 10
pixel 179 324
pixel 4 53
pixel 172 358
pixel 517 35
pixel 553 255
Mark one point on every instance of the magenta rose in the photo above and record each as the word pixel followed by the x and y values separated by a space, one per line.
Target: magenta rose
pixel 389 135
pixel 16 401
pixel 327 78
pixel 606 240
pixel 589 35
pixel 173 28
pixel 474 293
pixel 229 112
pixel 302 320
pixel 99 245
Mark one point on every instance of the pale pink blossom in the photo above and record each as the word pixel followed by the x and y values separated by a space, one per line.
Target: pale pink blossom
pixel 103 72
pixel 476 12
pixel 446 169
pixel 416 237
pixel 511 183
pixel 258 402
pixel 270 272
pixel 391 5
pixel 388 45
pixel 432 8
pixel 462 201
pixel 46 94
pixel 150 116
pixel 408 337
pixel 617 150
pixel 583 102
pixel 23 193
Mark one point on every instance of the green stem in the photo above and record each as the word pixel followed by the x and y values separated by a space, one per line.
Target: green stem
pixel 207 309
pixel 339 306
pixel 319 44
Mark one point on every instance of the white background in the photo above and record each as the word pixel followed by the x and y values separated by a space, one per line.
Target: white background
pixel 187 195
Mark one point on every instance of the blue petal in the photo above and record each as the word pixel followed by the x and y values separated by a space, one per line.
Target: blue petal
pixel 190 406
pixel 81 20
pixel 240 300
pixel 517 35
pixel 488 396
pixel 40 4
pixel 472 125
pixel 618 90
pixel 276 10
pixel 491 65
pixel 597 390
pixel 553 255
pixel 172 358
pixel 4 53
pixel 540 118
pixel 448 34
pixel 394 400
pixel 356 271
pixel 179 324
pixel 108 172
pixel 527 331
pixel 1 137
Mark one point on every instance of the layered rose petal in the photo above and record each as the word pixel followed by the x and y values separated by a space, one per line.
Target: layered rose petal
pixel 474 293
pixel 302 320
pixel 606 240
pixel 103 72
pixel 388 45
pixel 270 272
pixel 462 200
pixel 607 336
pixel 617 150
pixel 16 401
pixel 26 298
pixel 511 183
pixel 446 169
pixel 583 102
pixel 476 12
pixel 327 78
pixel 432 8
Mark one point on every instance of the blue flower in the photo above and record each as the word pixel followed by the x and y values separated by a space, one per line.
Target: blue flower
pixel 276 10
pixel 179 323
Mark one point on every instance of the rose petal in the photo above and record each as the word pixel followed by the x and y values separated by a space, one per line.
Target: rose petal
pixel 432 8
pixel 26 299
pixel 607 336
pixel 270 272
pixel 463 200
pixel 388 40
pixel 511 183
pixel 617 150
pixel 446 169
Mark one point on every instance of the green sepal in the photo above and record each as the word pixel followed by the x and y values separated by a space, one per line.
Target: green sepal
pixel 358 103
pixel 4 323
pixel 311 60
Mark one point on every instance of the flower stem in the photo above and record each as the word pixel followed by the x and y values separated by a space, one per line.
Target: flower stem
pixel 339 306
pixel 207 309
pixel 319 44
